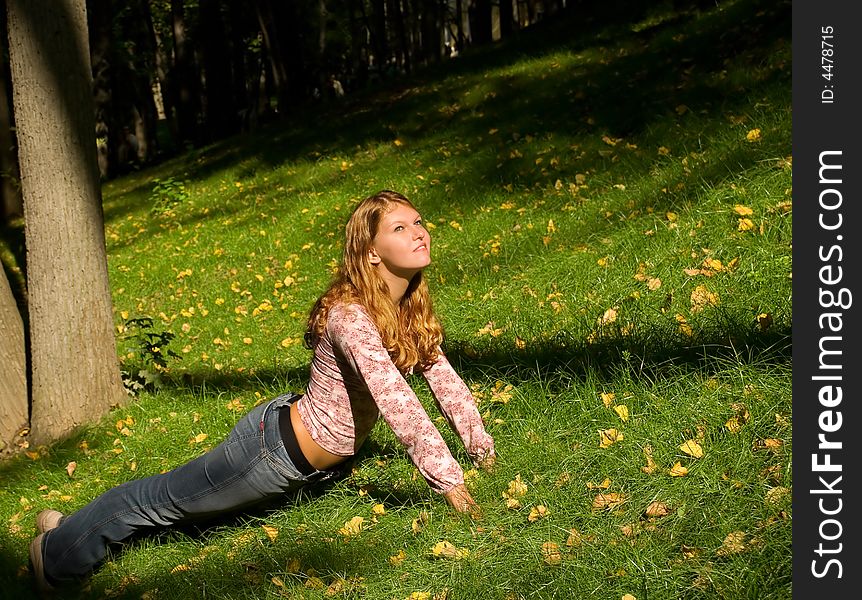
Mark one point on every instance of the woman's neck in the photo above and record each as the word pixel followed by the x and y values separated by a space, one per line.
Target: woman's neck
pixel 397 286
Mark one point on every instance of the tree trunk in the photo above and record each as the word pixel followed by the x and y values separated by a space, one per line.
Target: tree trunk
pixel 142 64
pixel 379 34
pixel 107 130
pixel 396 21
pixel 507 18
pixel 13 370
pixel 183 76
pixel 221 115
pixel 481 26
pixel 358 46
pixel 274 50
pixel 459 19
pixel 75 372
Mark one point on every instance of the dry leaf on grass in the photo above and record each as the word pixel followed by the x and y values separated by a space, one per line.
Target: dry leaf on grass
pixel 733 543
pixel 650 466
pixel 551 553
pixel 677 470
pixel 271 532
pixel 608 501
pixel 352 527
pixel 609 436
pixel 656 510
pixel 692 448
pixel 445 549
pixel 539 511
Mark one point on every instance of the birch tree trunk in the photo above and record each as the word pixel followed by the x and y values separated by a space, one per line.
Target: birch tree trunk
pixel 74 366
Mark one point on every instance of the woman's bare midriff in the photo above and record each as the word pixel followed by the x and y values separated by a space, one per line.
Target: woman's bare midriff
pixel 316 456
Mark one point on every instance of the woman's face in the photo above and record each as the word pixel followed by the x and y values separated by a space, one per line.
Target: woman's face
pixel 402 245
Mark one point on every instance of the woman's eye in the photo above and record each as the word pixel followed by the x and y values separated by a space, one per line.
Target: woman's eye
pixel 399 228
pixel 418 222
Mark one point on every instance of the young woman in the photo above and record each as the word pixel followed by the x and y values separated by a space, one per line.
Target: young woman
pixel 374 324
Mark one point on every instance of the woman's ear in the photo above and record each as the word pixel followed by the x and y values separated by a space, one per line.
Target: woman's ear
pixel 373 257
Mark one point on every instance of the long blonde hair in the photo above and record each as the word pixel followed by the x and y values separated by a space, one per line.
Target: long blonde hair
pixel 410 331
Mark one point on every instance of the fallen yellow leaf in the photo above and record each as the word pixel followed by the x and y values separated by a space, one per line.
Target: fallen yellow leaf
pixel 692 448
pixel 608 501
pixel 609 436
pixel 516 487
pixel 70 468
pixel 733 543
pixel 378 510
pixel 537 512
pixel 776 495
pixel 684 328
pixel 677 470
pixel 701 297
pixel 271 532
pixel 599 486
pixel 418 524
pixel 608 399
pixel 744 224
pixel 622 411
pixel 397 559
pixel 656 509
pixel 551 553
pixel 753 135
pixel 445 549
pixel 199 438
pixel 352 527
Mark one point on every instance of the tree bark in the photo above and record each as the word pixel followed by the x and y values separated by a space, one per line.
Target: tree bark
pixel 481 26
pixel 183 76
pixel 221 114
pixel 74 366
pixel 379 34
pixel 274 49
pixel 142 65
pixel 107 128
pixel 13 370
pixel 507 18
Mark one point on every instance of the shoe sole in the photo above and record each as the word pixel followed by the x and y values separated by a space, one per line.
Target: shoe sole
pixel 38 566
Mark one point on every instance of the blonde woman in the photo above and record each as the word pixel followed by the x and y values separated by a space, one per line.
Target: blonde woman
pixel 374 324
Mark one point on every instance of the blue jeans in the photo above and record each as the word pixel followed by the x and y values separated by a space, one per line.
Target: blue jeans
pixel 249 467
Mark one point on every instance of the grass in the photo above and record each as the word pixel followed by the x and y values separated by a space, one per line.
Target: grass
pixel 588 185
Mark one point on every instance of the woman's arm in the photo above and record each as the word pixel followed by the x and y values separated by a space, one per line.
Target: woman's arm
pixel 458 406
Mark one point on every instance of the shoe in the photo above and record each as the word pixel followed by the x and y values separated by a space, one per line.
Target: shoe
pixel 48 520
pixel 38 567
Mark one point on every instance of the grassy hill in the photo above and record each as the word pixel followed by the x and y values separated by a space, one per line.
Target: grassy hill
pixel 610 206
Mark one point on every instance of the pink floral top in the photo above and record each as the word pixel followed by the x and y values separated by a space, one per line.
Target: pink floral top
pixel 353 381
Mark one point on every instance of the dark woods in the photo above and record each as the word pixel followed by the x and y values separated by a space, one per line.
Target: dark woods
pixel 173 74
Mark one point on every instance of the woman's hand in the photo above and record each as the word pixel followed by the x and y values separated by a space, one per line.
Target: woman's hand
pixel 461 500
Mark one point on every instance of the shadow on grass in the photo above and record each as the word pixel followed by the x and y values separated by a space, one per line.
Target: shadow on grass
pixel 560 363
pixel 631 89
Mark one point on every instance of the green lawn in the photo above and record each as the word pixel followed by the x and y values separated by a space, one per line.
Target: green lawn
pixel 611 210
